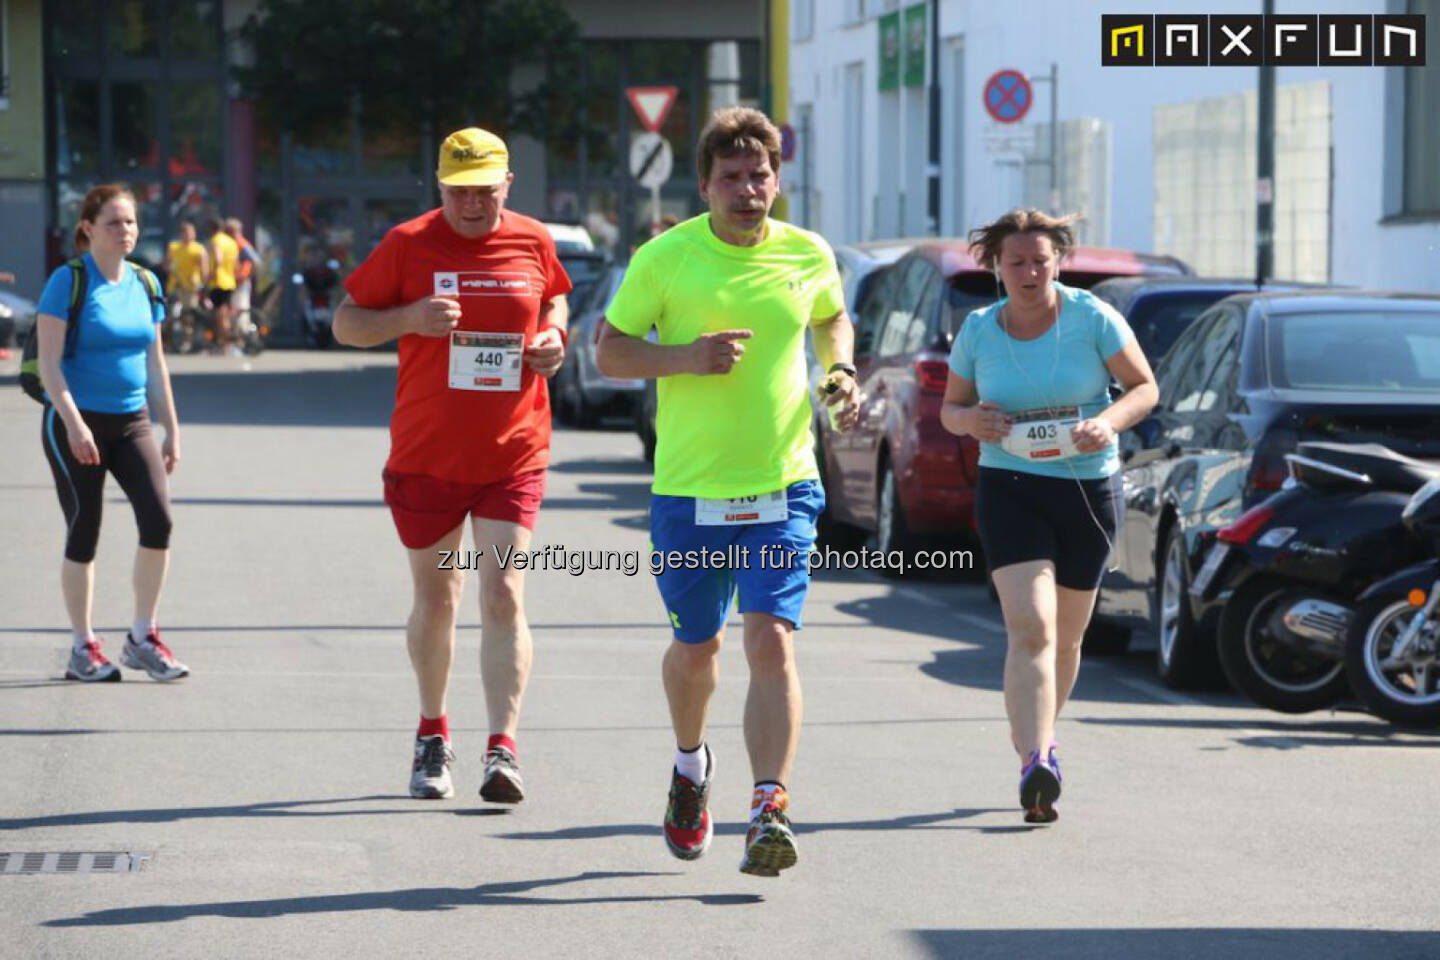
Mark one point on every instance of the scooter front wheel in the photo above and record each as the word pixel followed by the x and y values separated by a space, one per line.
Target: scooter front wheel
pixel 1406 690
pixel 1265 668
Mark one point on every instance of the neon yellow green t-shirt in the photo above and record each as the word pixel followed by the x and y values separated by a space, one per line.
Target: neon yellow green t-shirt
pixel 746 432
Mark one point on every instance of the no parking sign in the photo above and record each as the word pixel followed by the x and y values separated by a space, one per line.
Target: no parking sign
pixel 1008 96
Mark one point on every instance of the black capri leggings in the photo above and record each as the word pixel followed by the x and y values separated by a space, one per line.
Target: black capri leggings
pixel 1072 523
pixel 128 450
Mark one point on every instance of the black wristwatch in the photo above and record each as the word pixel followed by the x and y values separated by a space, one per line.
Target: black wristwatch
pixel 843 367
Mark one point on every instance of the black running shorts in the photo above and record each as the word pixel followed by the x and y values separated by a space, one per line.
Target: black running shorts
pixel 1072 523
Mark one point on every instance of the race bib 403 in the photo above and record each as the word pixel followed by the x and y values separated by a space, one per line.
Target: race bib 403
pixel 1042 434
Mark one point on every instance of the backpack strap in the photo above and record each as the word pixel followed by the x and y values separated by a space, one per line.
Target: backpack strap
pixel 150 282
pixel 79 280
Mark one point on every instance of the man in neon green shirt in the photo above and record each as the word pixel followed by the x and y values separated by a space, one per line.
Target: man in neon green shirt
pixel 731 293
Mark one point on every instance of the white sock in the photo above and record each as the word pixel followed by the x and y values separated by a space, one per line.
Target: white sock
pixel 79 640
pixel 694 765
pixel 141 629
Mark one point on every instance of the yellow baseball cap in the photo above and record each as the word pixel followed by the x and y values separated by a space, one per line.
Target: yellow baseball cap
pixel 473 158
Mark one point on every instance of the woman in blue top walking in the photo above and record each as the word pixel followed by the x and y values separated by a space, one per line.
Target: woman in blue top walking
pixel 1029 378
pixel 96 421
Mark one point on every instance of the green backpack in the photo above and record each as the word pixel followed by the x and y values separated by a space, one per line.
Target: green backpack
pixel 30 352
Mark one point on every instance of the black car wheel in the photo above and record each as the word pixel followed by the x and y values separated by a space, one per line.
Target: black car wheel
pixel 1267 670
pixel 571 400
pixel 893 531
pixel 1184 659
pixel 829 532
pixel 645 425
pixel 1106 639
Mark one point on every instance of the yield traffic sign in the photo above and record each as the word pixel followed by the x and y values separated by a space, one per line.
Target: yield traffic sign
pixel 652 104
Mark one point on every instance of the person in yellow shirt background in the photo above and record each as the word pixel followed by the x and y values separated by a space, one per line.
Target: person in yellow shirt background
pixel 224 256
pixel 187 264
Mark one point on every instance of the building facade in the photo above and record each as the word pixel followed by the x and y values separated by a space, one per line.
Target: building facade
pixel 143 92
pixel 1157 159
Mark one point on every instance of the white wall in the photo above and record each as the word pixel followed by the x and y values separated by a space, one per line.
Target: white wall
pixel 1029 37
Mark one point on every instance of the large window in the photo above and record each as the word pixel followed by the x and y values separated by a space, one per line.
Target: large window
pixel 4 59
pixel 1422 127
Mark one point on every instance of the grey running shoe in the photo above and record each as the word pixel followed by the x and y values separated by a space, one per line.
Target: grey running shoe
pixel 153 657
pixel 502 783
pixel 770 843
pixel 89 665
pixel 430 777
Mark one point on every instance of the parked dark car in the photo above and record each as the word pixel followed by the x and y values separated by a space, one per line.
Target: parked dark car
pixel 1160 308
pixel 899 474
pixel 1248 380
pixel 581 393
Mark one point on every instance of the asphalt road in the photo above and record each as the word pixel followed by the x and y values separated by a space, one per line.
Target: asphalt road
pixel 269 789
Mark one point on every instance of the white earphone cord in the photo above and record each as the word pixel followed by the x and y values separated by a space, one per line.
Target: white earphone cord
pixel 1050 403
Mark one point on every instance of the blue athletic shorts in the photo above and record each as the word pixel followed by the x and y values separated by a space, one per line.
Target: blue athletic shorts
pixel 765 561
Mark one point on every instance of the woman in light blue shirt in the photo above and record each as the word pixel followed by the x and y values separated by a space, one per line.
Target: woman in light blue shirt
pixel 98 379
pixel 1029 379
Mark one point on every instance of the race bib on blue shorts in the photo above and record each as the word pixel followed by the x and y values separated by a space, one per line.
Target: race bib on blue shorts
pixel 701 569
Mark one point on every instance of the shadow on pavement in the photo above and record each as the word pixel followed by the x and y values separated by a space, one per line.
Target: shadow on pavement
pixel 1233 944
pixel 362 396
pixel 416 900
pixel 601 465
pixel 919 821
pixel 632 495
pixel 272 808
pixel 263 502
pixel 1290 735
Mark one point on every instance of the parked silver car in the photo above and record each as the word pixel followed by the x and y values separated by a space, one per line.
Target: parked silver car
pixel 17 316
pixel 580 393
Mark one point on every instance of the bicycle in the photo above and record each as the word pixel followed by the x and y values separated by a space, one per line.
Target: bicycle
pixel 187 325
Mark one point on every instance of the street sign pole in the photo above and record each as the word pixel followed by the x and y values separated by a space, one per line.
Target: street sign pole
pixel 1265 170
pixel 1054 81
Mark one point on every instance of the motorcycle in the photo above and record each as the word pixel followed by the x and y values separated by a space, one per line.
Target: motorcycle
pixel 1294 564
pixel 316 311
pixel 1392 654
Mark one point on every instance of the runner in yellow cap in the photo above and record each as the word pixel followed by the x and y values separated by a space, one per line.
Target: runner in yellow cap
pixel 476 296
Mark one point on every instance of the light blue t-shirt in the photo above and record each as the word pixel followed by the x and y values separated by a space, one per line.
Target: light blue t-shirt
pixel 107 372
pixel 1046 372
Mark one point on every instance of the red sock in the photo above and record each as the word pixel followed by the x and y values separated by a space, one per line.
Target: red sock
pixel 500 740
pixel 434 727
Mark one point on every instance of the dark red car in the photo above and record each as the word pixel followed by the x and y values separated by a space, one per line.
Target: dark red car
pixel 898 473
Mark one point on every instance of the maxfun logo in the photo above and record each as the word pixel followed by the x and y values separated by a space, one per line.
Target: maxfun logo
pixel 1243 40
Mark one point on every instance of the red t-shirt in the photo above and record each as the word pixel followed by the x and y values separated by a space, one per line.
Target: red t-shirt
pixel 501 280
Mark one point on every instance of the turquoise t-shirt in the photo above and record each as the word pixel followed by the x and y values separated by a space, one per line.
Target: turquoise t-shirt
pixel 1063 367
pixel 108 371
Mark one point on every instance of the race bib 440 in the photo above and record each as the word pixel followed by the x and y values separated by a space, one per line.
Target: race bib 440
pixel 485 361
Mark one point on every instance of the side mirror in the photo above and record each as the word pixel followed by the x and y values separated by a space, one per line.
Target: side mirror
pixel 1147 432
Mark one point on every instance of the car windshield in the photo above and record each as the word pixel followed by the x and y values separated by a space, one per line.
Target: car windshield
pixel 1359 351
pixel 1159 321
pixel 966 292
pixel 580 295
pixel 580 266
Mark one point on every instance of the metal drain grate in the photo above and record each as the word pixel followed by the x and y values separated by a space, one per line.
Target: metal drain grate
pixel 72 862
